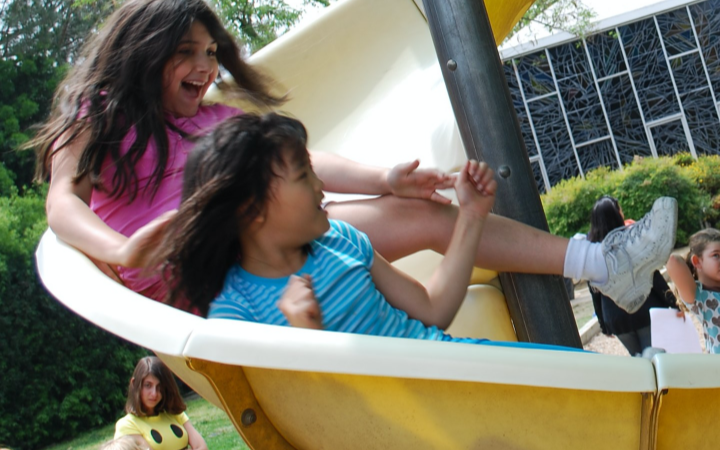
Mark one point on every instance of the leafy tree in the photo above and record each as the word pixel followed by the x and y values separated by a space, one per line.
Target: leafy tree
pixel 55 29
pixel 259 22
pixel 567 15
pixel 28 85
pixel 38 38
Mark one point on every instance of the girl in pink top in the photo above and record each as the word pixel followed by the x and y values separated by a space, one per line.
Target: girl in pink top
pixel 116 143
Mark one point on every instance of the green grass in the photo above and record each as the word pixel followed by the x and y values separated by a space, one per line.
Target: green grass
pixel 214 426
pixel 211 423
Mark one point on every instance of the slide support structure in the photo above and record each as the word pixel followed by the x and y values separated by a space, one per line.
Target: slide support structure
pixel 539 304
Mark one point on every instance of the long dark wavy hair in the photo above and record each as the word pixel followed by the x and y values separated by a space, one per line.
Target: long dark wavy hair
pixel 171 402
pixel 604 218
pixel 227 184
pixel 117 85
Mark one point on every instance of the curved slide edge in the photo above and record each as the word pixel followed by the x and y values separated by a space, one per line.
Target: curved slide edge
pixel 266 346
pixel 687 371
pixel 73 279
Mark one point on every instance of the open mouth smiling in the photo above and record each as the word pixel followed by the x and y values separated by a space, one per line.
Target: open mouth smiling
pixel 194 87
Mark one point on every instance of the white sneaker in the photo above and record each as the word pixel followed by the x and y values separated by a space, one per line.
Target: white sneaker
pixel 633 253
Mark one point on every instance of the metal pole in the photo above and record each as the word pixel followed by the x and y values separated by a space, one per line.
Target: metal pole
pixel 490 131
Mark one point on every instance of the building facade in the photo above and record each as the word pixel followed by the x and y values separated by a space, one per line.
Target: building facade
pixel 645 84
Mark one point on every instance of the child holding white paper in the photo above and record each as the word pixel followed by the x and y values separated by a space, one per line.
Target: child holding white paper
pixel 697 280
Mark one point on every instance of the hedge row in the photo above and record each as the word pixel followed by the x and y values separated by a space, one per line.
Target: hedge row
pixel 694 183
pixel 60 375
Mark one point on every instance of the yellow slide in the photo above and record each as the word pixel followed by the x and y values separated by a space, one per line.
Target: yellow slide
pixel 365 80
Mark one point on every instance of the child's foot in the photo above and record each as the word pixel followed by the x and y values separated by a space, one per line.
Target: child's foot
pixel 632 254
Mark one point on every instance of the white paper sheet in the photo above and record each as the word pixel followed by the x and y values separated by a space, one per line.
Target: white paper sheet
pixel 674 334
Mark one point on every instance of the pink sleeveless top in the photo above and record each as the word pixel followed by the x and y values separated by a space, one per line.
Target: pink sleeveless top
pixel 125 217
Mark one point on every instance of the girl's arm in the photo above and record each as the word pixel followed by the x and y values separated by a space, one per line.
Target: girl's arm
pixel 438 301
pixel 662 291
pixel 71 218
pixel 195 440
pixel 682 277
pixel 404 180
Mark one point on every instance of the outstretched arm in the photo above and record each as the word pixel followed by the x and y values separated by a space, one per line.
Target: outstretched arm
pixel 682 277
pixel 74 222
pixel 404 180
pixel 438 301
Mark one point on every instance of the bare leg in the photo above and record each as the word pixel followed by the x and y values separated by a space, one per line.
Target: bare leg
pixel 398 227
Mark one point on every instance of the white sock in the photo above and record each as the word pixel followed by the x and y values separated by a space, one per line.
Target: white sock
pixel 584 261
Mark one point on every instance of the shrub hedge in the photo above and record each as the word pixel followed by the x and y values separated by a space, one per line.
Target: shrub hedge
pixel 60 374
pixel 692 183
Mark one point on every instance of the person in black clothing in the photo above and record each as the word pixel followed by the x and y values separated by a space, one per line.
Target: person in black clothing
pixel 633 330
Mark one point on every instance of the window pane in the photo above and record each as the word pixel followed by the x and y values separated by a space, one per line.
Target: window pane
pixel 689 73
pixel 669 138
pixel 607 58
pixel 535 75
pixel 649 69
pixel 578 92
pixel 706 16
pixel 625 119
pixel 520 108
pixel 703 121
pixel 597 155
pixel 676 32
pixel 557 152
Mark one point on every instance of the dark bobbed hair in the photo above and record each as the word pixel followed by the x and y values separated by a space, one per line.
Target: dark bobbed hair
pixel 698 243
pixel 171 402
pixel 604 218
pixel 227 184
pixel 117 85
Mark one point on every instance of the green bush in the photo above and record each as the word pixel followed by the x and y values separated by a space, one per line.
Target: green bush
pixel 569 204
pixel 705 172
pixel 647 179
pixel 60 374
pixel 683 159
pixel 7 183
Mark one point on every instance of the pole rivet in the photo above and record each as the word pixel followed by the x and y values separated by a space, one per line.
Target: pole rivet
pixel 248 417
pixel 452 65
pixel 504 171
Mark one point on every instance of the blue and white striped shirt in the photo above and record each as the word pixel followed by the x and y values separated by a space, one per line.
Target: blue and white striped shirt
pixel 339 265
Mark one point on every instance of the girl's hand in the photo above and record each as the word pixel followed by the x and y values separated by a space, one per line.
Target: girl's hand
pixel 405 180
pixel 476 187
pixel 138 249
pixel 299 305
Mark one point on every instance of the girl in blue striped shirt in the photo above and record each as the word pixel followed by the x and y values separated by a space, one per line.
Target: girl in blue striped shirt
pixel 251 241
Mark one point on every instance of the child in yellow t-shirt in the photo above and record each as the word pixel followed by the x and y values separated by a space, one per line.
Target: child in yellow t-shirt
pixel 155 410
